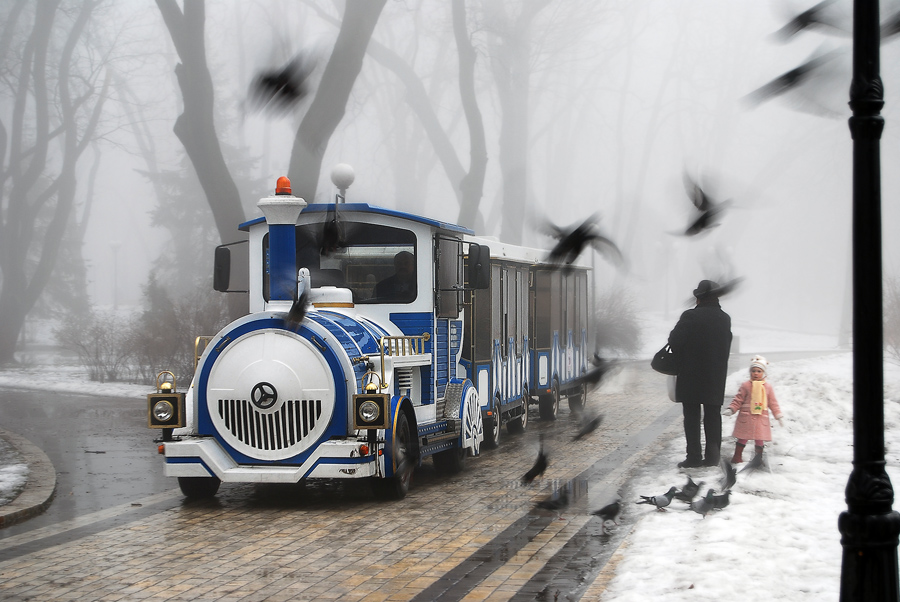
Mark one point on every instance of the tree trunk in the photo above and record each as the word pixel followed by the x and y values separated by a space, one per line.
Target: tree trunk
pixel 26 263
pixel 195 127
pixel 330 102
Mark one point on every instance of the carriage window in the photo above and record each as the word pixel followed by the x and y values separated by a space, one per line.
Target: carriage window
pixel 378 264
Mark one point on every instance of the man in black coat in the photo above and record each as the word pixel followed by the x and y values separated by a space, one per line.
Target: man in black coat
pixel 701 342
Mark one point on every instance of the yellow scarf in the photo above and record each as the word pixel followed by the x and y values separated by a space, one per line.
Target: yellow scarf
pixel 759 401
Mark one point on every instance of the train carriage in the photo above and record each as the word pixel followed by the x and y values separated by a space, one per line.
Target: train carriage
pixel 411 338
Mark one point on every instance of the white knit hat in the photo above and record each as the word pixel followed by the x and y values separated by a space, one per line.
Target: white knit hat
pixel 760 362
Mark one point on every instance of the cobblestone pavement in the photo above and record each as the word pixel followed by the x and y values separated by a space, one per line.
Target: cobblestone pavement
pixel 473 536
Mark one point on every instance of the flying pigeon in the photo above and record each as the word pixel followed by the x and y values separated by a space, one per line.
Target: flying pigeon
pixel 721 501
pixel 297 311
pixel 332 236
pixel 540 465
pixel 709 212
pixel 756 462
pixel 660 501
pixel 730 477
pixel 890 27
pixel 817 17
pixel 810 85
pixel 280 90
pixel 588 427
pixel 690 490
pixel 601 367
pixel 608 514
pixel 703 505
pixel 609 511
pixel 571 242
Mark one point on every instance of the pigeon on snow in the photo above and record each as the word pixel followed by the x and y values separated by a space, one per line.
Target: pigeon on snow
pixel 660 501
pixel 704 504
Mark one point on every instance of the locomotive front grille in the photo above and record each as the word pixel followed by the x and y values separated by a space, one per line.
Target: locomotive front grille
pixel 270 431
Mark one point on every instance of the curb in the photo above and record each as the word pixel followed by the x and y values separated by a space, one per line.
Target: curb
pixel 39 488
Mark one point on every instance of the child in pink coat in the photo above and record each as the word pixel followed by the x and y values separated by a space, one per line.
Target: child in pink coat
pixel 754 400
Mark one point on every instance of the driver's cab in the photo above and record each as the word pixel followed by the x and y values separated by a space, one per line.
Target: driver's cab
pixel 388 262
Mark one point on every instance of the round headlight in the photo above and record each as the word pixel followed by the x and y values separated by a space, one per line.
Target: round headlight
pixel 163 411
pixel 369 411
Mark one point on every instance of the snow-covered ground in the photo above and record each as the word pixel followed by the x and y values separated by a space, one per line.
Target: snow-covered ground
pixel 778 538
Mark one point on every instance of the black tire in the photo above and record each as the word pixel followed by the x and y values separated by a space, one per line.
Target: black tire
pixel 492 428
pixel 397 486
pixel 520 423
pixel 451 461
pixel 197 488
pixel 549 404
pixel 577 399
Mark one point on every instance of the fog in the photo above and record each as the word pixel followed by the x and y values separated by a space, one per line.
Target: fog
pixel 624 97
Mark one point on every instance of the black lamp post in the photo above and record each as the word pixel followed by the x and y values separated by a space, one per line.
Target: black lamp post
pixel 870 527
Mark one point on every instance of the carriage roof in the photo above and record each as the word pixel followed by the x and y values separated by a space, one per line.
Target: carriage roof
pixel 366 208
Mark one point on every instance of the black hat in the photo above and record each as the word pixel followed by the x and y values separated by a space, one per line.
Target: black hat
pixel 707 289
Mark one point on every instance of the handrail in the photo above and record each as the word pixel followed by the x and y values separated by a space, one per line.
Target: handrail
pixel 401 346
pixel 198 349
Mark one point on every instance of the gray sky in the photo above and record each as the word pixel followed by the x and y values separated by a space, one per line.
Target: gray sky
pixel 624 99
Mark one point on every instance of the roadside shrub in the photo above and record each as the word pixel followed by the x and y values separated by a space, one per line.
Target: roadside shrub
pixel 162 337
pixel 100 341
pixel 616 324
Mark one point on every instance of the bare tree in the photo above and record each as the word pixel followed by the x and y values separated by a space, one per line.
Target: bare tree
pixel 55 98
pixel 468 185
pixel 328 107
pixel 195 127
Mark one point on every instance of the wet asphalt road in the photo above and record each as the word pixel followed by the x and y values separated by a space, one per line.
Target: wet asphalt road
pixel 102 450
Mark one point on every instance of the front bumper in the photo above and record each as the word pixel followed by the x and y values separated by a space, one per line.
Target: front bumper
pixel 204 457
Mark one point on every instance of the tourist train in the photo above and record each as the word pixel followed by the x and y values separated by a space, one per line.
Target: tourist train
pixel 374 340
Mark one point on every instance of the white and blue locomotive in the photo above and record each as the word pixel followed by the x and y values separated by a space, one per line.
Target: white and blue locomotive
pixel 416 339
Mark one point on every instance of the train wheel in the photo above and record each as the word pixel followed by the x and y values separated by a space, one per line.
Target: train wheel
pixel 452 461
pixel 520 423
pixel 397 486
pixel 549 404
pixel 492 427
pixel 199 487
pixel 577 399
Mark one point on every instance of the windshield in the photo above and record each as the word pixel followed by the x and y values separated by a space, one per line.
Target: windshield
pixel 378 263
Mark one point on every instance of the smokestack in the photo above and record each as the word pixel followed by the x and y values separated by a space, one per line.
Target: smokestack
pixel 281 212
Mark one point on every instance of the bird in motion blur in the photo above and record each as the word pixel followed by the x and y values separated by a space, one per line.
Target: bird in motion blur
pixel 690 490
pixel 660 501
pixel 721 501
pixel 540 465
pixel 708 212
pixel 809 86
pixel 705 504
pixel 730 475
pixel 332 236
pixel 297 312
pixel 608 514
pixel 824 16
pixel 571 242
pixel 280 89
pixel 600 368
pixel 588 426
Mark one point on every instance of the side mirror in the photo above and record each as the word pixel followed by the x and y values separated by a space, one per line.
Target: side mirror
pixel 222 269
pixel 478 266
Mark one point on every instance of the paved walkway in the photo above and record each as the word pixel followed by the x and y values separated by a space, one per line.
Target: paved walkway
pixel 474 536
